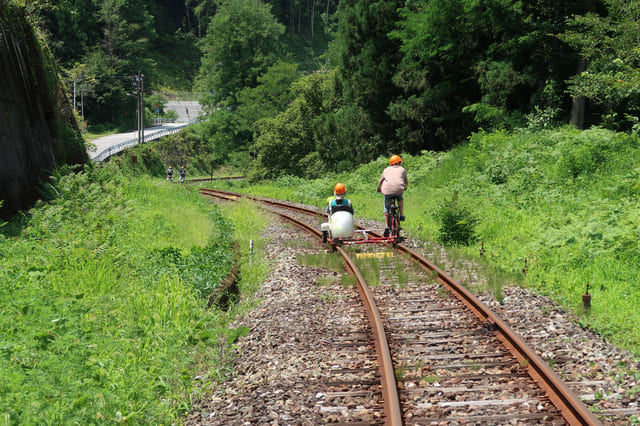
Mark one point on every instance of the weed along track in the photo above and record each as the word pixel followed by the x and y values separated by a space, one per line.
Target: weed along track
pixel 410 347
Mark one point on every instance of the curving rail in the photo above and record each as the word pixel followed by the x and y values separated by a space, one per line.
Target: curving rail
pixel 391 399
pixel 572 409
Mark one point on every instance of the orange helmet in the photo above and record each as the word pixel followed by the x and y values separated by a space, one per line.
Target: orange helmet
pixel 339 189
pixel 395 159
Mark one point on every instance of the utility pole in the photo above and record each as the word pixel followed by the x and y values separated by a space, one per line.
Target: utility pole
pixel 79 78
pixel 82 104
pixel 138 85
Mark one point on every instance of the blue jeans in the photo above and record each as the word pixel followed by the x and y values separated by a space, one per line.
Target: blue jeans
pixel 388 199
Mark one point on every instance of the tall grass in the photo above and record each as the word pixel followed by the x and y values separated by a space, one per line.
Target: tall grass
pixel 564 201
pixel 98 324
pixel 249 225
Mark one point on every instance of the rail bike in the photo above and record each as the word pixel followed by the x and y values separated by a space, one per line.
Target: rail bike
pixel 339 230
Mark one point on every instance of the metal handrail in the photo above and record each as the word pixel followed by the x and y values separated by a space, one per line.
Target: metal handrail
pixel 103 155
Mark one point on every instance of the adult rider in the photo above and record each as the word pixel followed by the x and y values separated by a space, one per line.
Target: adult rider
pixel 392 184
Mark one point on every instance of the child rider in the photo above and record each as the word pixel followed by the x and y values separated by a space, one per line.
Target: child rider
pixel 339 203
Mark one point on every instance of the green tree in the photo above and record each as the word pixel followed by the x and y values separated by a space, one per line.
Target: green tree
pixel 282 144
pixel 440 45
pixel 286 144
pixel 231 130
pixel 128 31
pixel 467 63
pixel 73 28
pixel 271 95
pixel 198 14
pixel 609 47
pixel 241 43
pixel 304 17
pixel 367 58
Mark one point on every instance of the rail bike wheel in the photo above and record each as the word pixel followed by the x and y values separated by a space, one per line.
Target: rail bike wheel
pixel 395 222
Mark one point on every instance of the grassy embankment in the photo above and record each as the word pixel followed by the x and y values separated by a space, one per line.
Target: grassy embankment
pixel 104 313
pixel 565 201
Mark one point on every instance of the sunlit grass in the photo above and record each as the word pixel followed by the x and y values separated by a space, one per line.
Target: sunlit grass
pixel 249 227
pixel 90 135
pixel 97 327
pixel 539 198
pixel 331 261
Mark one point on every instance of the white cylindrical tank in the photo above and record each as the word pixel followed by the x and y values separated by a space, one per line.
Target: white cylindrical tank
pixel 341 224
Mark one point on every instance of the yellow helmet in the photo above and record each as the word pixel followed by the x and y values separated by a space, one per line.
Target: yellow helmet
pixel 395 159
pixel 339 189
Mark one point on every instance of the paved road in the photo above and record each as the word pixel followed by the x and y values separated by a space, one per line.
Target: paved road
pixel 116 142
pixel 187 111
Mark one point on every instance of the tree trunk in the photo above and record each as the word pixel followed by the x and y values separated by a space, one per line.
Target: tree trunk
pixel 578 103
pixel 188 15
pixel 327 16
pixel 313 10
pixel 577 112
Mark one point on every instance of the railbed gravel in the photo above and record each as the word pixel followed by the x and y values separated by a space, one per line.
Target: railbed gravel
pixel 278 367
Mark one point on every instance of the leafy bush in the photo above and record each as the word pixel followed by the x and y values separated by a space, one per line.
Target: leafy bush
pixel 457 222
pixel 579 156
pixel 203 267
pixel 497 173
pixel 591 151
pixel 542 118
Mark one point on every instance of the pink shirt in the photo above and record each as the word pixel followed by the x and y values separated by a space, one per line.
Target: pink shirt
pixel 393 180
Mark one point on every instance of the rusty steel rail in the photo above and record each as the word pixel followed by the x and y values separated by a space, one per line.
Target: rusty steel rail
pixel 391 399
pixel 289 206
pixel 210 179
pixel 574 411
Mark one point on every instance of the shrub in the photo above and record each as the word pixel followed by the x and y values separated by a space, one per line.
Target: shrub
pixel 497 173
pixel 457 223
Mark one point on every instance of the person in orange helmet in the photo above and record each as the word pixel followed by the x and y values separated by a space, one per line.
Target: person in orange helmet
pixel 339 203
pixel 392 184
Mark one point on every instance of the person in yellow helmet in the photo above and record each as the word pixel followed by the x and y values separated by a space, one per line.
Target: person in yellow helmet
pixel 339 203
pixel 392 184
pixel 170 173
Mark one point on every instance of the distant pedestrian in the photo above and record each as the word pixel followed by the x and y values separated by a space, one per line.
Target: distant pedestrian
pixel 187 110
pixel 170 174
pixel 183 173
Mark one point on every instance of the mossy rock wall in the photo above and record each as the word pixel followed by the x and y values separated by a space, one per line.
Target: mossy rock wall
pixel 37 129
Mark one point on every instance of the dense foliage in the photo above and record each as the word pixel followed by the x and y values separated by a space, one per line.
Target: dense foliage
pixel 105 293
pixel 101 45
pixel 423 75
pixel 397 76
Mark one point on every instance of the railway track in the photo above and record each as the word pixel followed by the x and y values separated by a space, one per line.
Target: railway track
pixel 442 356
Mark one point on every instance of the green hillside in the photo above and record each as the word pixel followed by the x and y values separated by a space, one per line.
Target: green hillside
pixel 563 201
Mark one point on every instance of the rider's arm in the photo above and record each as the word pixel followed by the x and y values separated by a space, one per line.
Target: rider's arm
pixel 379 189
